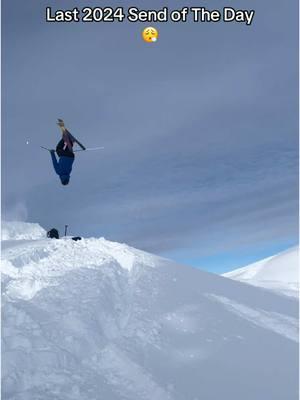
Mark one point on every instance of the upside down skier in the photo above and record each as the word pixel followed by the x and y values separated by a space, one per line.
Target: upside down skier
pixel 64 150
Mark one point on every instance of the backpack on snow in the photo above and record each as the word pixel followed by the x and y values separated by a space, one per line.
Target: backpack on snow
pixel 53 234
pixel 76 238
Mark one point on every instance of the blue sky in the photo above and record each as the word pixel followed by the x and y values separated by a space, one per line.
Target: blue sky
pixel 200 130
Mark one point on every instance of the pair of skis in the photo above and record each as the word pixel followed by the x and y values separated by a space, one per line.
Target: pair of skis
pixel 61 124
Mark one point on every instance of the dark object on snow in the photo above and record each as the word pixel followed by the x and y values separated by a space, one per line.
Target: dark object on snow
pixel 53 234
pixel 76 238
pixel 66 229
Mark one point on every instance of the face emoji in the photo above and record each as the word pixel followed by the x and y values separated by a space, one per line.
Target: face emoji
pixel 150 34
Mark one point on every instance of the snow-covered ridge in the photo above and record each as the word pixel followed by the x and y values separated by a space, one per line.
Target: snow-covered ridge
pixel 95 319
pixel 33 266
pixel 15 230
pixel 279 272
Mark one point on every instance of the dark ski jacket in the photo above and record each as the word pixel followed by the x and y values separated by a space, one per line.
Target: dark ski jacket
pixel 63 167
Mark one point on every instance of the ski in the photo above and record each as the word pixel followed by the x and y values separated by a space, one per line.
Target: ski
pixel 61 124
pixel 76 141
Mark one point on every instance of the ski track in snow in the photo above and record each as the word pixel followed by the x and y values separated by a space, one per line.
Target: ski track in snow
pixel 131 379
pixel 276 322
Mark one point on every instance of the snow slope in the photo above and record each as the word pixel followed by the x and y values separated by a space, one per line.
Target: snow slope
pixel 279 273
pixel 21 230
pixel 95 320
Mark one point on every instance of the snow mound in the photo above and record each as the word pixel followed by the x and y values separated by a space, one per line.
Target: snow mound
pixel 279 273
pixel 21 231
pixel 37 265
pixel 95 319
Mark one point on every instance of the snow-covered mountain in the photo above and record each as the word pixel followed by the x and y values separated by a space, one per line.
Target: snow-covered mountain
pixel 279 273
pixel 95 320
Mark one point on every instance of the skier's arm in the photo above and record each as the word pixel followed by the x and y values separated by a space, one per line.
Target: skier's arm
pixel 54 162
pixel 66 137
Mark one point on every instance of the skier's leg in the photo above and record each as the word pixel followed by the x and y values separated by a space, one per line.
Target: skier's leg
pixel 67 137
pixel 68 141
pixel 70 136
pixel 62 149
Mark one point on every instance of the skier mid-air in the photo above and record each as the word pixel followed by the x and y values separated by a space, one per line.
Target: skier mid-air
pixel 64 150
